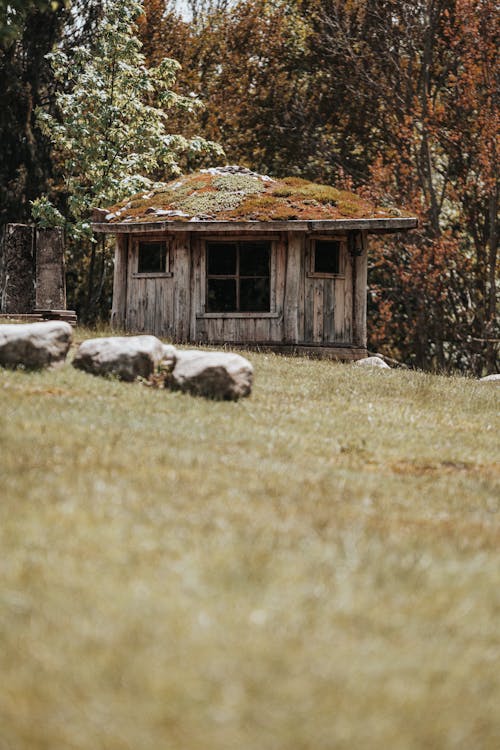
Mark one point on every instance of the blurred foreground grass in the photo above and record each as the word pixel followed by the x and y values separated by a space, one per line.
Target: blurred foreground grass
pixel 315 567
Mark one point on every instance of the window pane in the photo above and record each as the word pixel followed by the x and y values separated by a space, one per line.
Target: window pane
pixel 326 256
pixel 254 258
pixel 254 295
pixel 221 260
pixel 221 295
pixel 152 257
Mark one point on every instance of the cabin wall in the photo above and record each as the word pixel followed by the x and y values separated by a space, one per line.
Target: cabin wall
pixel 305 309
pixel 156 303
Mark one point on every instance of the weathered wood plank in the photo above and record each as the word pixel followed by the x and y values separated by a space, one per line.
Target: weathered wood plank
pixel 308 311
pixel 328 312
pixel 168 322
pixel 280 273
pixel 318 310
pixel 291 310
pixel 120 280
pixel 150 305
pixel 302 289
pixel 182 302
pixel 338 300
pixel 135 314
pixel 131 312
pixel 194 284
pixel 203 280
pixel 262 330
pixel 230 329
pixel 359 286
pixel 345 314
pixel 159 293
pixel 276 325
pixel 244 330
pixel 360 290
pixel 214 328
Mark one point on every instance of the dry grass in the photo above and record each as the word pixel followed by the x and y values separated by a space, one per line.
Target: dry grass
pixel 315 567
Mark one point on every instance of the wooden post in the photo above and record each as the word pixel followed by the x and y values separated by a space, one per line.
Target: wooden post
pixel 50 283
pixel 17 269
pixel 119 306
pixel 359 250
pixel 291 310
pixel 180 249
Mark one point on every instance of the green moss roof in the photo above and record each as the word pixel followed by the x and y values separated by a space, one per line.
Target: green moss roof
pixel 237 194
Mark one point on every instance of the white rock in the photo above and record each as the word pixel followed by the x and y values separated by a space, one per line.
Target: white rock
pixel 126 357
pixel 169 356
pixel 372 362
pixel 217 375
pixel 164 212
pixel 495 378
pixel 34 345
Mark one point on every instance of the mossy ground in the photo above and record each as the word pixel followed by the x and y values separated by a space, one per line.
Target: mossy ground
pixel 315 567
pixel 240 197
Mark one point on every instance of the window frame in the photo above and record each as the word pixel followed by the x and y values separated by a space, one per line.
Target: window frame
pixel 238 240
pixel 136 243
pixel 311 272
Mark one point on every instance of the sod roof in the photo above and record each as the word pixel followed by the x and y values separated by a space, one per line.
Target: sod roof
pixel 236 194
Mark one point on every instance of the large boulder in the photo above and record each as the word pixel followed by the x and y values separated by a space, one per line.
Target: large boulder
pixel 34 345
pixel 495 378
pixel 217 375
pixel 372 362
pixel 126 357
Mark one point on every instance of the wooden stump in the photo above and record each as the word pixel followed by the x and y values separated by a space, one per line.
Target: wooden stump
pixel 50 284
pixel 17 269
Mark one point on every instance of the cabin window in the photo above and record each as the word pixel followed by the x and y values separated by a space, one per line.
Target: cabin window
pixel 152 257
pixel 326 257
pixel 238 277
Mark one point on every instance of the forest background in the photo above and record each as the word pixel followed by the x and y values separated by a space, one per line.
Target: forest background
pixel 396 99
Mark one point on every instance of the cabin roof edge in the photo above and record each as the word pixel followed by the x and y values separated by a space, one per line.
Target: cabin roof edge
pixel 380 226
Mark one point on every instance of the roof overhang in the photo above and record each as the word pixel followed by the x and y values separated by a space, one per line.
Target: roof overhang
pixel 380 226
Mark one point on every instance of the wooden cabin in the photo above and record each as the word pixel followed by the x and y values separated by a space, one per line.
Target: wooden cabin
pixel 228 256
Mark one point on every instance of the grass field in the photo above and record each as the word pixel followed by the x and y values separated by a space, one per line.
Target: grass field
pixel 315 567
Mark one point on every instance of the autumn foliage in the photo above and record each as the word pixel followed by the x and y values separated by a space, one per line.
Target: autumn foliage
pixel 398 100
pixel 397 97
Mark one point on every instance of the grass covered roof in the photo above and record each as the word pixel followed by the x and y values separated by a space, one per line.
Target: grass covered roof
pixel 238 194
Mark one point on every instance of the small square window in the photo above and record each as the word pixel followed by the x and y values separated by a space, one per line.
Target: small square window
pixel 326 257
pixel 152 257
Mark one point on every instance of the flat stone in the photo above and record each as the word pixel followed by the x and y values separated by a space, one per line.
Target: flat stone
pixel 169 357
pixel 372 362
pixel 125 357
pixel 223 376
pixel 495 378
pixel 34 345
